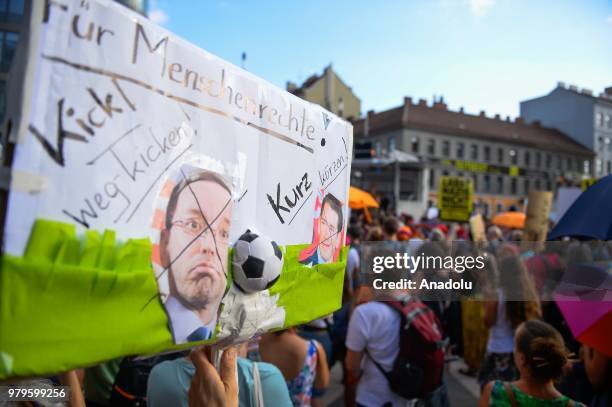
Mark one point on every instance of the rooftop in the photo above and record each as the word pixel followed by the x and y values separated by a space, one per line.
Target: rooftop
pixel 436 118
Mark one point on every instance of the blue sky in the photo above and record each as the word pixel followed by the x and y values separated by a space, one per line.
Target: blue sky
pixel 479 54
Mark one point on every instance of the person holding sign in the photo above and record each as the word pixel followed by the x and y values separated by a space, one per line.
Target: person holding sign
pixel 194 251
pixel 328 230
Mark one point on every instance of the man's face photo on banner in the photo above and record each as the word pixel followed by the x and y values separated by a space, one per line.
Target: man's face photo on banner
pixel 194 251
pixel 330 226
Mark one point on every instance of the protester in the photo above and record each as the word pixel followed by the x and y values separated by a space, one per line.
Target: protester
pixel 390 229
pixel 171 382
pixel 540 357
pixel 475 333
pixel 209 388
pixel 373 327
pixel 598 368
pixel 503 314
pixel 373 344
pixel 303 364
pixel 98 382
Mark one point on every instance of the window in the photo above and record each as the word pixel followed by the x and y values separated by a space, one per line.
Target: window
pixel 500 184
pixel 460 150
pixel 487 183
pixel 559 161
pixel 487 153
pixel 513 185
pixel 548 161
pixel 431 147
pixel 526 186
pixel 538 184
pixel 513 156
pixel 527 158
pixel 598 166
pixel 446 148
pixel 432 179
pixel 538 159
pixel 474 152
pixel 11 10
pixel 8 44
pixel 500 155
pixel 475 182
pixel 415 144
pixel 599 120
pixel 378 148
pixel 586 167
pixel 391 144
pixel 548 185
pixel 608 121
pixel 609 167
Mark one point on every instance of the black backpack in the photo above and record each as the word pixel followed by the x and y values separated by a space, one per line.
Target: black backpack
pixel 130 387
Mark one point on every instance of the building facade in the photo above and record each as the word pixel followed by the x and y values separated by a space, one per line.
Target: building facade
pixel 329 91
pixel 581 115
pixel 504 158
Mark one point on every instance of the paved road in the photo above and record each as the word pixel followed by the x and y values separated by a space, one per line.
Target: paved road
pixel 463 391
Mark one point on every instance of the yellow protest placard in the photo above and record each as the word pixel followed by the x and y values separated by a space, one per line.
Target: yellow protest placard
pixel 455 198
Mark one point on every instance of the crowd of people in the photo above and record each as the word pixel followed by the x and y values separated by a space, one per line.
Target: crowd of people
pixel 395 345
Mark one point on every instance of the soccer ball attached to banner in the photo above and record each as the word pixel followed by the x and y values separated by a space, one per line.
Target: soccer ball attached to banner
pixel 257 262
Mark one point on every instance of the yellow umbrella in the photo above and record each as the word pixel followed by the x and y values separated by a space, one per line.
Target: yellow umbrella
pixel 360 199
pixel 512 220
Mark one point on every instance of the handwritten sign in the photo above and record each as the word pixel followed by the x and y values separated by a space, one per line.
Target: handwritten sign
pixel 477 227
pixel 137 131
pixel 455 198
pixel 538 209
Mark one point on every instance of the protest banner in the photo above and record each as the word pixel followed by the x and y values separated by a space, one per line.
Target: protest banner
pixel 455 198
pixel 536 222
pixel 477 228
pixel 139 162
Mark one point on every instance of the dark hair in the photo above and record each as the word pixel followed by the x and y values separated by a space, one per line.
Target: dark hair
pixel 190 178
pixel 390 226
pixel 543 348
pixel 336 206
pixel 354 232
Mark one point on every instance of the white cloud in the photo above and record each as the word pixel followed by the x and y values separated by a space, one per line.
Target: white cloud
pixel 480 7
pixel 158 16
pixel 609 19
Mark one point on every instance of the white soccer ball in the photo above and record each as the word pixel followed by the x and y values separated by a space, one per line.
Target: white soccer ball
pixel 257 262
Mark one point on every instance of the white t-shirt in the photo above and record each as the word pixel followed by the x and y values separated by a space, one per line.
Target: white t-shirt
pixel 375 326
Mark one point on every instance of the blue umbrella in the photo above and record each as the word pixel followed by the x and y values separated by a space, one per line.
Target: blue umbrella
pixel 590 216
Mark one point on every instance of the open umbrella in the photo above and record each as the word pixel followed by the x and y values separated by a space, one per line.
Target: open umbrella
pixel 360 199
pixel 590 217
pixel 512 220
pixel 584 296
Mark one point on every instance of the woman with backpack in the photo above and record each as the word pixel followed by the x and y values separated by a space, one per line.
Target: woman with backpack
pixel 514 302
pixel 540 356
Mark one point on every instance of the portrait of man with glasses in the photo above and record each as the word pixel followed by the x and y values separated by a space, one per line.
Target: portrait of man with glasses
pixel 328 232
pixel 194 252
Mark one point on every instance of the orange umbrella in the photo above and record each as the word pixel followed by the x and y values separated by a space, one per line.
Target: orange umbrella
pixel 512 220
pixel 360 199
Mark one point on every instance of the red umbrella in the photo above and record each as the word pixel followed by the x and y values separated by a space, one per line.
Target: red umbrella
pixel 585 299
